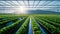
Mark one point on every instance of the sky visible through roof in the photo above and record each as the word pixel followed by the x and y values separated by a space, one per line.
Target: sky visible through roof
pixel 23 6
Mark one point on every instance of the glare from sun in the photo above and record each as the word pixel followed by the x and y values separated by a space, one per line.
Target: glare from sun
pixel 22 10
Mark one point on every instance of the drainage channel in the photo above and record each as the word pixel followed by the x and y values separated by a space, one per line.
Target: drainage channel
pixel 30 27
pixel 41 28
pixel 11 22
pixel 44 32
